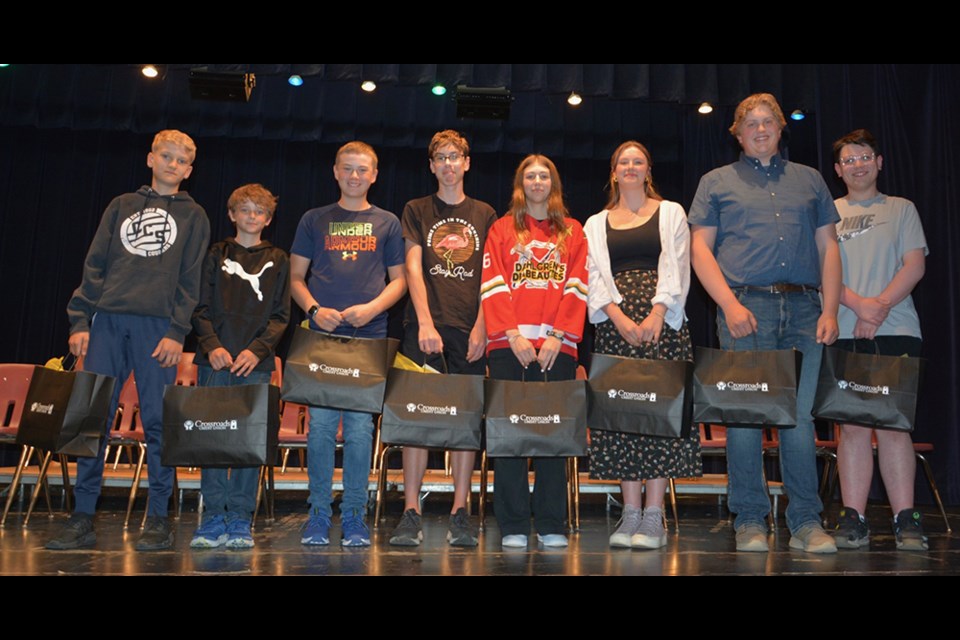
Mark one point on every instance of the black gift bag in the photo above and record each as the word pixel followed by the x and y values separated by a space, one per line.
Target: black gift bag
pixel 536 419
pixel 338 372
pixel 232 426
pixel 432 411
pixel 640 396
pixel 868 389
pixel 746 387
pixel 66 411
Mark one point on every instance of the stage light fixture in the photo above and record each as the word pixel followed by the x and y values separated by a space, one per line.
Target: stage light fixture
pixel 797 114
pixel 369 86
pixel 574 100
pixel 490 103
pixel 295 80
pixel 438 89
pixel 225 86
pixel 150 71
pixel 705 108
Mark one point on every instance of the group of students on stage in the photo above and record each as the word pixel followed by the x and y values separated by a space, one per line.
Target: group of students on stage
pixel 784 262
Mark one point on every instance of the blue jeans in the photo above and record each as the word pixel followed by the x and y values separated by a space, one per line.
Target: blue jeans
pixel 784 320
pixel 119 344
pixel 237 494
pixel 357 449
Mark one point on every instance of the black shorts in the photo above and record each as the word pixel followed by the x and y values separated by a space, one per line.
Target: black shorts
pixel 886 345
pixel 454 351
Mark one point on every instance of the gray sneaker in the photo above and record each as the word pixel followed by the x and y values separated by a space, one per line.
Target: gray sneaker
pixel 651 534
pixel 852 531
pixel 908 529
pixel 77 533
pixel 157 535
pixel 461 532
pixel 813 539
pixel 628 525
pixel 409 533
pixel 752 537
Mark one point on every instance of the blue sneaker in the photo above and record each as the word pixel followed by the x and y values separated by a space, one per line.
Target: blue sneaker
pixel 238 533
pixel 317 530
pixel 354 531
pixel 211 533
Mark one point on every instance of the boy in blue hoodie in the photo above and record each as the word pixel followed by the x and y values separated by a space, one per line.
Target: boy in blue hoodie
pixel 132 312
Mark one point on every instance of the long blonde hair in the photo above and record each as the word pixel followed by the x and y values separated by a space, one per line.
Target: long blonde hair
pixel 648 186
pixel 556 209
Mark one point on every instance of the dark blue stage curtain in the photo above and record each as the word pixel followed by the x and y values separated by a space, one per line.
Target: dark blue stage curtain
pixel 74 136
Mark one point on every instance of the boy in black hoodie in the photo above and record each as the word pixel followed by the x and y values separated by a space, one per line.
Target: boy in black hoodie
pixel 243 311
pixel 132 312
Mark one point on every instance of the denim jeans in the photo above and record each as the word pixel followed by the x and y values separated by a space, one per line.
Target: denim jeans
pixel 119 344
pixel 357 449
pixel 784 320
pixel 236 493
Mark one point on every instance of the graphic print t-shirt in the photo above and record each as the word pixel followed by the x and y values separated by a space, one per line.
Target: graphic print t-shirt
pixel 349 253
pixel 452 238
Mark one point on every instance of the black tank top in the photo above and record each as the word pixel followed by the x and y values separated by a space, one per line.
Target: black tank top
pixel 635 248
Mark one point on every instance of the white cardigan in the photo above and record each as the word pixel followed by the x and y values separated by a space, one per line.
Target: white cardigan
pixel 673 267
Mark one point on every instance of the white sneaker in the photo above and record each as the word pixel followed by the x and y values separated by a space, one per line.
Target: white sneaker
pixel 553 540
pixel 628 525
pixel 514 541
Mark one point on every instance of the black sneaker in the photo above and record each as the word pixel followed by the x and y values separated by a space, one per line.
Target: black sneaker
pixel 77 533
pixel 409 533
pixel 156 535
pixel 461 533
pixel 852 531
pixel 908 529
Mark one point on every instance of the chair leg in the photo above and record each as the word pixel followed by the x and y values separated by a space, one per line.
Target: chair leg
pixel 381 486
pixel 575 462
pixel 66 482
pixel 41 477
pixel 933 487
pixel 283 461
pixel 484 467
pixel 134 487
pixel 673 504
pixel 15 483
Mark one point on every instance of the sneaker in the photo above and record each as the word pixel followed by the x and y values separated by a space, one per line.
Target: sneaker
pixel 211 533
pixel 514 541
pixel 628 525
pixel 157 535
pixel 752 537
pixel 553 540
pixel 354 531
pixel 238 533
pixel 461 532
pixel 812 539
pixel 409 533
pixel 317 530
pixel 77 533
pixel 651 534
pixel 852 531
pixel 908 528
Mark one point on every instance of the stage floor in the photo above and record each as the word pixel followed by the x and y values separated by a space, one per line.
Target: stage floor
pixel 704 546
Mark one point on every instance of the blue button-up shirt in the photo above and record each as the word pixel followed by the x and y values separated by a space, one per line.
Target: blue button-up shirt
pixel 766 220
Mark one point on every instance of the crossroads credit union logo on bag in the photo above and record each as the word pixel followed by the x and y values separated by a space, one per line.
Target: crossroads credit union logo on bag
pixel 334 371
pixel 762 387
pixel 427 408
pixel 38 407
pixel 525 419
pixel 645 396
pixel 863 388
pixel 202 425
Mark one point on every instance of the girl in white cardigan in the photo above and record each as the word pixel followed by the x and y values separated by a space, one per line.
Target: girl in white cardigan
pixel 639 276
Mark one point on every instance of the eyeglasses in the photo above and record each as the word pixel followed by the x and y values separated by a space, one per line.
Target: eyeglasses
pixel 454 158
pixel 849 161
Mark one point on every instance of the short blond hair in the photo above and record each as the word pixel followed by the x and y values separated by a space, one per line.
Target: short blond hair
pixel 357 147
pixel 752 102
pixel 259 195
pixel 178 138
